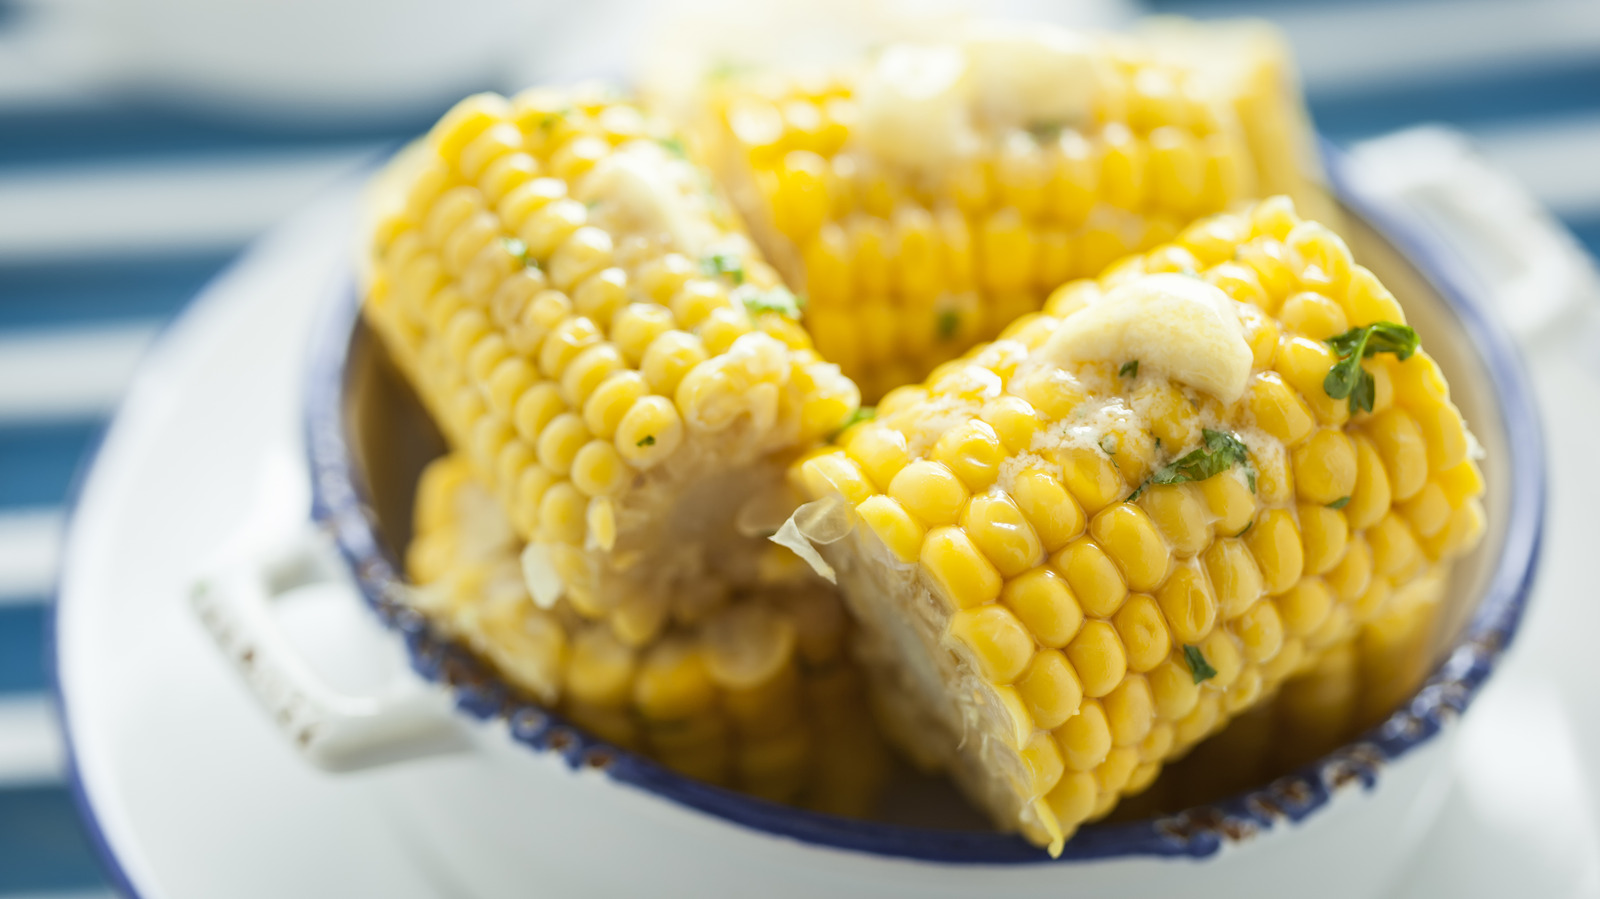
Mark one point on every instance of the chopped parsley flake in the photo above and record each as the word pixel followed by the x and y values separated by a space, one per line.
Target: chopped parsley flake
pixel 1129 369
pixel 1347 379
pixel 1108 444
pixel 518 251
pixel 674 146
pixel 778 299
pixel 1046 131
pixel 718 264
pixel 1198 666
pixel 949 322
pixel 862 413
pixel 647 440
pixel 1219 452
pixel 1247 526
pixel 548 123
pixel 1339 503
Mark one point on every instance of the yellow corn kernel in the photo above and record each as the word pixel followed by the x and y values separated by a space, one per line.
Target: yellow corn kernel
pixel 600 669
pixel 1404 452
pixel 1000 645
pixel 1304 364
pixel 563 514
pixel 1262 334
pixel 673 681
pixel 697 299
pixel 900 532
pixel 1085 738
pixel 1097 655
pixel 1260 632
pixel 1325 467
pixel 1042 757
pixel 1265 258
pixel 1188 604
pixel 1230 500
pixel 1052 512
pixel 1173 689
pixel 535 409
pixel 558 443
pixel 453 210
pixel 1050 689
pixel 649 432
pixel 1274 541
pixel 543 312
pixel 1043 602
pixel 998 528
pixel 668 358
pixel 522 202
pixel 1122 167
pixel 506 385
pixel 972 450
pixel 602 519
pixel 834 473
pixel 930 491
pixel 1394 546
pixel 565 341
pixel 599 295
pixel 1278 410
pixel 1201 720
pixel 1313 315
pixel 1304 606
pixel 1369 301
pixel 1093 577
pixel 1221 652
pixel 1324 533
pixel 1350 578
pixel 598 470
pixel 587 371
pixel 611 400
pixel 1128 535
pixel 1130 711
pixel 550 226
pixel 1074 797
pixel 1369 499
pixel 1093 480
pixel 1444 433
pixel 1013 420
pixel 1177 510
pixel 880 451
pixel 1234 577
pixel 1143 632
pixel 958 571
pixel 1461 482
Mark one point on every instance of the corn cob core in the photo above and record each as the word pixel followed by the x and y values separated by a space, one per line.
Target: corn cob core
pixel 1061 622
pixel 753 691
pixel 584 320
pixel 909 256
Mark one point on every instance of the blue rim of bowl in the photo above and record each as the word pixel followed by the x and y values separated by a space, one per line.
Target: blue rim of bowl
pixel 340 506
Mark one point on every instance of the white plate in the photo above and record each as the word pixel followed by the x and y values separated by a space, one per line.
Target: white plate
pixel 194 794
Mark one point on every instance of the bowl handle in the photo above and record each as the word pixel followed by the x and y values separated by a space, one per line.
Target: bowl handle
pixel 1534 269
pixel 334 730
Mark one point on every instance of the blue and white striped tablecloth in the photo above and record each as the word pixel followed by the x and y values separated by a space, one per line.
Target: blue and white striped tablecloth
pixel 113 215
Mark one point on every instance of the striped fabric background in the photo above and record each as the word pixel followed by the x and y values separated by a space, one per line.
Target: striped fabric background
pixel 113 216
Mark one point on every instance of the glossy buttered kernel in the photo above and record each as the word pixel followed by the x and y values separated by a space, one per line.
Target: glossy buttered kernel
pixel 1050 689
pixel 993 636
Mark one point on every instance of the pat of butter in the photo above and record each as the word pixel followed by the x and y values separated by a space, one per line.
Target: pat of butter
pixel 1032 75
pixel 1177 325
pixel 914 105
pixel 640 189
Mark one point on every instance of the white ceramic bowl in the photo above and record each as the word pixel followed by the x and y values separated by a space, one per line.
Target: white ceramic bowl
pixel 518 800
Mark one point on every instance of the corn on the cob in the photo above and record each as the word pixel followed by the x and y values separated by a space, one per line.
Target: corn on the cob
pixel 585 322
pixel 755 691
pixel 928 199
pixel 1080 549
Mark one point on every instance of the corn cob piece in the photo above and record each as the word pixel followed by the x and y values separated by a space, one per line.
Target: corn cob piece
pixel 926 200
pixel 755 691
pixel 1077 551
pixel 583 319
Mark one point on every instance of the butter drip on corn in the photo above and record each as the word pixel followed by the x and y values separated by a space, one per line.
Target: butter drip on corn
pixel 590 328
pixel 1052 608
pixel 931 197
pixel 748 689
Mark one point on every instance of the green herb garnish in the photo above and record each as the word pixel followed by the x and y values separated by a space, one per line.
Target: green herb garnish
pixel 1220 451
pixel 674 146
pixel 518 251
pixel 1046 131
pixel 1129 369
pixel 1339 503
pixel 719 264
pixel 548 122
pixel 1247 526
pixel 647 440
pixel 1347 379
pixel 949 321
pixel 1198 666
pixel 861 414
pixel 778 299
